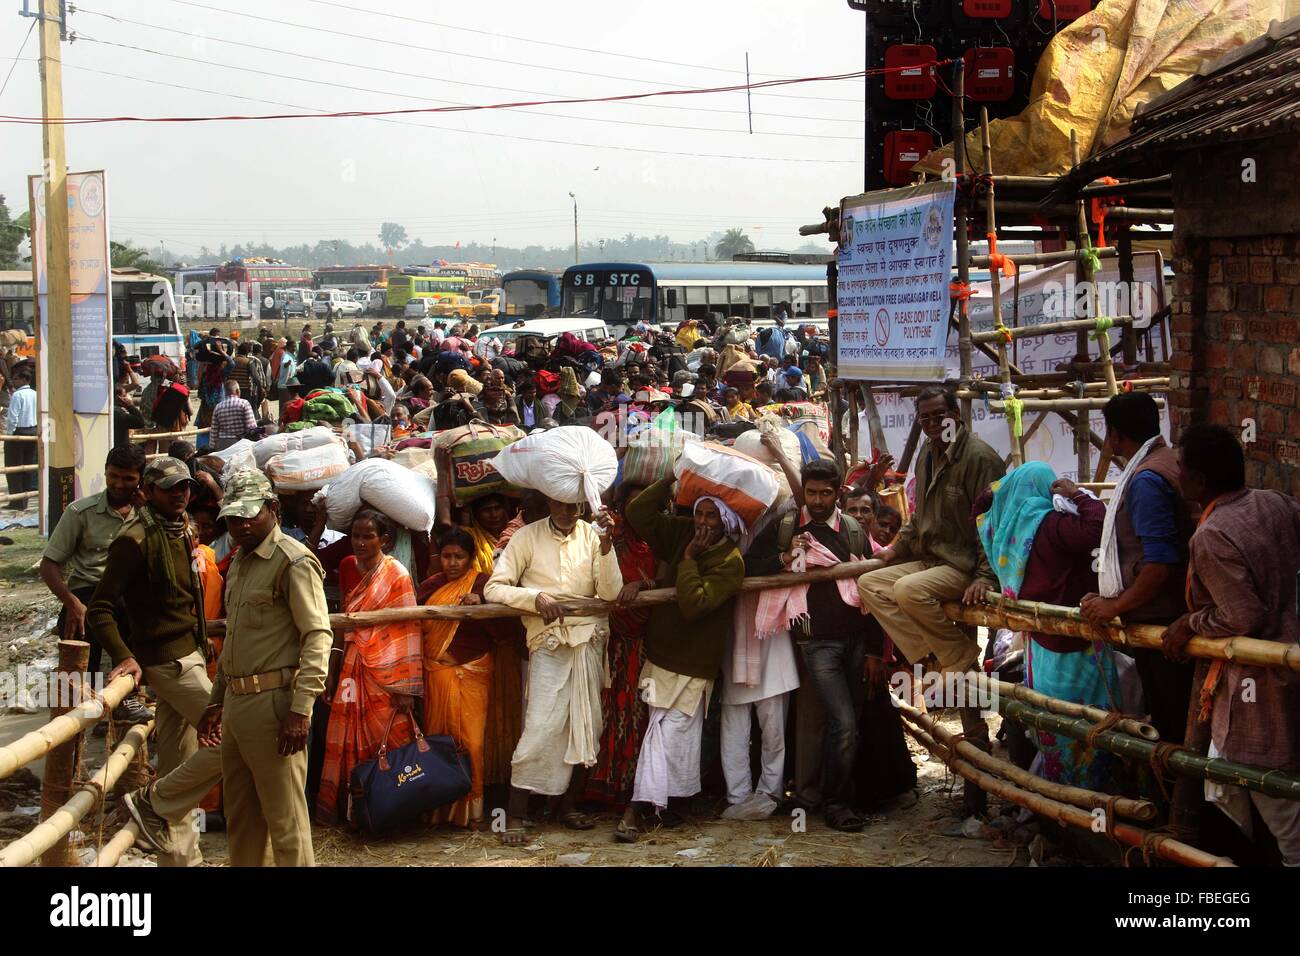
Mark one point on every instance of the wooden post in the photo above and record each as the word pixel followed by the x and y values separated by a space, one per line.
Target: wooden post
pixel 63 762
pixel 1129 335
pixel 904 463
pixel 854 426
pixel 961 210
pixel 59 445
pixel 995 281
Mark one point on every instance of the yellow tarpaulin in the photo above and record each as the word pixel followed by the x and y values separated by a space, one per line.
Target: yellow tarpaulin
pixel 1097 70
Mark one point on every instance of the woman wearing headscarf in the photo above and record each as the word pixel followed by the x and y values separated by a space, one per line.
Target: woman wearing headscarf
pixel 459 666
pixel 684 643
pixel 1040 533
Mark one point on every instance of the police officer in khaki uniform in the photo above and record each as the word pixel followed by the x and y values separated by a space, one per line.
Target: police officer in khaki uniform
pixel 272 669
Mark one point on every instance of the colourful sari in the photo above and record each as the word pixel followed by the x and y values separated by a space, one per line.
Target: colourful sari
pixel 456 699
pixel 611 779
pixel 377 663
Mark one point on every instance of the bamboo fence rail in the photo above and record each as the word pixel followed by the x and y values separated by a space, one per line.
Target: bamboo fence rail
pixel 1179 760
pixel 1143 810
pixel 1162 846
pixel 20 438
pixel 61 729
pixel 143 436
pixel 27 849
pixel 111 852
pixel 18 469
pixel 1129 725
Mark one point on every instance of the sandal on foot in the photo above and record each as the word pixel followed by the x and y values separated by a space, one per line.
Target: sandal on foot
pixel 846 821
pixel 577 820
pixel 624 833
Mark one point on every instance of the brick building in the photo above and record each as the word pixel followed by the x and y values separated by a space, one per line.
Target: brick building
pixel 1230 137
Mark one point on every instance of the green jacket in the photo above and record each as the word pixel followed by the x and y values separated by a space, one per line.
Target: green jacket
pixel 941 530
pixel 690 636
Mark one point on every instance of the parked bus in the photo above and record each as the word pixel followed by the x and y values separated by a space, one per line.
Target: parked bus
pixel 143 310
pixel 531 293
pixel 483 276
pixel 403 287
pixel 263 276
pixel 667 293
pixel 350 278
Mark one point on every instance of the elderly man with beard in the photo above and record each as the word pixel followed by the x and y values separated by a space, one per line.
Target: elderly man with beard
pixel 152 570
pixel 545 563
pixel 684 644
pixel 938 556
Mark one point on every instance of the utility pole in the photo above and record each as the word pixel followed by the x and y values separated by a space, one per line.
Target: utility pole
pixel 576 257
pixel 58 443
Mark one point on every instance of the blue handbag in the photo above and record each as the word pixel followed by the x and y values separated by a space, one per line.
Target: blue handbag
pixel 399 786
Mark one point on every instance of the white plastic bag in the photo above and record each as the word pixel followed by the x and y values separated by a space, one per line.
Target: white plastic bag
pixel 404 495
pixel 751 444
pixel 569 463
pixel 368 435
pixel 285 442
pixel 308 469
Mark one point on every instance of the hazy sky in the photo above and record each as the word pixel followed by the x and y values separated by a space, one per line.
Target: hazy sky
pixel 448 177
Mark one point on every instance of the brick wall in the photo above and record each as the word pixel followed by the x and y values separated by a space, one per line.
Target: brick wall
pixel 1236 339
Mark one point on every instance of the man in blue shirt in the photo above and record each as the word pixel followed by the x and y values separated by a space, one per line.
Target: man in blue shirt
pixel 20 419
pixel 1143 558
pixel 774 342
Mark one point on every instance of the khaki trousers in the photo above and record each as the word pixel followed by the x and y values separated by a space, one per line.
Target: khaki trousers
pixel 186 771
pixel 265 793
pixel 905 599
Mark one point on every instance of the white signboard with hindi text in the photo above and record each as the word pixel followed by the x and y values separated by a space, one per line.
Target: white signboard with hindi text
pixel 895 264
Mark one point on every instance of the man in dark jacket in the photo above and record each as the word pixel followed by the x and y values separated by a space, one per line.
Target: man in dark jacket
pixel 684 643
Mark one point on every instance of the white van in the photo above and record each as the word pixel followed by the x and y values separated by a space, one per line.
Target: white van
pixel 549 330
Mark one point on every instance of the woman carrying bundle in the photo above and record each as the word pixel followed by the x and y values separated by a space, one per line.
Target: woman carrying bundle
pixel 458 667
pixel 375 672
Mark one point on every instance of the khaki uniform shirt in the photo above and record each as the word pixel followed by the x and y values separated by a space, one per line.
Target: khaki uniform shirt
pixel 80 540
pixel 941 530
pixel 275 618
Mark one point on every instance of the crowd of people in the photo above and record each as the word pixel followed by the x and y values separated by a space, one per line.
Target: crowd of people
pixel 643 708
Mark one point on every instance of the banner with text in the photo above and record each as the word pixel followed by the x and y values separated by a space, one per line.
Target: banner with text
pixel 895 263
pixel 91 352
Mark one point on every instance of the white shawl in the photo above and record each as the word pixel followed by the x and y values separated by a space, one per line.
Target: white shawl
pixel 1110 578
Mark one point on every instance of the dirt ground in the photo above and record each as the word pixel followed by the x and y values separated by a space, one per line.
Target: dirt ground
pixel 910 836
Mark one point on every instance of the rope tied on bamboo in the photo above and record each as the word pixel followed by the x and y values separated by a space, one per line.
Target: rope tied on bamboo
pixel 998 261
pixel 1110 722
pixel 1160 769
pixel 1111 812
pixel 1090 261
pixel 960 292
pixel 1101 329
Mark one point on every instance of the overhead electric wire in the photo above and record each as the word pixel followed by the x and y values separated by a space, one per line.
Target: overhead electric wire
pixel 315 58
pixel 22 46
pixel 381 118
pixel 452 104
pixel 446 52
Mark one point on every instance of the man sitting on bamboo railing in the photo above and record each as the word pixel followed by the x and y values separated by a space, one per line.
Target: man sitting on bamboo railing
pixel 1242 580
pixel 937 556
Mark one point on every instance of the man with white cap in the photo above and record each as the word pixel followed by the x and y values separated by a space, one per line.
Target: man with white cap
pixel 272 669
pixel 153 570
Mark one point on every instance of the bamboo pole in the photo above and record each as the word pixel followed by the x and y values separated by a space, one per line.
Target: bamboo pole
pixel 18 469
pixel 995 288
pixel 1129 336
pixel 141 436
pixel 1097 485
pixel 1143 810
pixel 1180 760
pixel 879 446
pixel 961 225
pixel 1045 328
pixel 56 828
pixel 1041 258
pixel 63 760
pixel 1107 366
pixel 1165 847
pixel 1128 186
pixel 19 438
pixel 1059 404
pixel 63 728
pixel 981 394
pixel 1129 725
pixel 111 853
pixel 1067 621
pixel 854 426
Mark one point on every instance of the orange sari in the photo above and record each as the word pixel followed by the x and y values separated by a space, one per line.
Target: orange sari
pixel 456 699
pixel 210 577
pixel 377 662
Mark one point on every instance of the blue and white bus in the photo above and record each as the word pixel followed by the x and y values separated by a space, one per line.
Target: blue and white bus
pixel 530 293
pixel 667 293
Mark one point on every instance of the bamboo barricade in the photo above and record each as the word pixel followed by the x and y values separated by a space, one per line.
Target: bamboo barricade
pixel 111 852
pixel 61 729
pixel 20 438
pixel 18 469
pixel 63 762
pixel 1044 258
pixel 1180 760
pixel 1046 328
pixel 48 833
pixel 1165 847
pixel 1142 810
pixel 1059 404
pixel 1085 266
pixel 1129 725
pixel 961 214
pixel 1068 621
pixel 142 437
